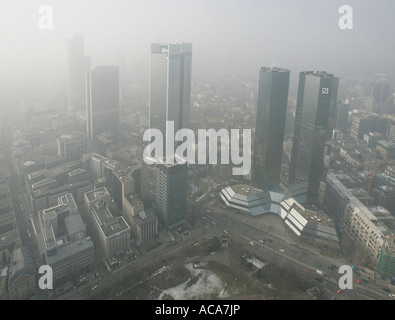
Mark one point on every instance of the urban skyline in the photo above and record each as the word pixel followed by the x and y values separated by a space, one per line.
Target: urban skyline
pixel 286 185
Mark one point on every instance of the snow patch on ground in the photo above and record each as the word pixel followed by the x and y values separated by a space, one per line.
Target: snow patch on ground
pixel 161 270
pixel 256 263
pixel 207 283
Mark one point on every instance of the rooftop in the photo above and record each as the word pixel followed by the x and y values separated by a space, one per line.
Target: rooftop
pixel 109 224
pixel 97 193
pixel 134 201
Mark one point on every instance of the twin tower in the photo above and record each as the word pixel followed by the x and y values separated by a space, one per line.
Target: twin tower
pixel 314 121
pixel 170 92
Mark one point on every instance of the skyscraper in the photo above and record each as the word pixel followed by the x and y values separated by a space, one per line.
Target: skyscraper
pixel 170 193
pixel 78 64
pixel 270 125
pixel 342 116
pixel 170 86
pixel 314 122
pixel 102 103
pixel 169 100
pixel 380 97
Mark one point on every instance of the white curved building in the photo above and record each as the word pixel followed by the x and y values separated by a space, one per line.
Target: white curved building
pixel 313 226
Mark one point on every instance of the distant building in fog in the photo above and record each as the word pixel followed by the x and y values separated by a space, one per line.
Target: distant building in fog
pixel 78 64
pixel 342 115
pixel 170 86
pixel 72 147
pixel 102 103
pixel 380 97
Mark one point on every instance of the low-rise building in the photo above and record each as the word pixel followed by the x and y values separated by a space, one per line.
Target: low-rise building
pixel 306 224
pixel 386 149
pixel 62 240
pixel 45 186
pixel 112 233
pixel 144 223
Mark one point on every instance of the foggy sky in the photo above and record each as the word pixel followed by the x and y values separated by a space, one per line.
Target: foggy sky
pixel 228 36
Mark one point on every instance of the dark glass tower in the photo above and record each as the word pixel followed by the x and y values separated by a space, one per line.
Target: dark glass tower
pixel 342 116
pixel 102 113
pixel 170 193
pixel 314 122
pixel 270 126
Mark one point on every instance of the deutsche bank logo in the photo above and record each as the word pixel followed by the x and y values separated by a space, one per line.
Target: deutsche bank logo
pixel 325 90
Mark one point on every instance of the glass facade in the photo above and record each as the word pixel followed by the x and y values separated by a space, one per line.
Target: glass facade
pixel 171 193
pixel 170 86
pixel 314 122
pixel 270 125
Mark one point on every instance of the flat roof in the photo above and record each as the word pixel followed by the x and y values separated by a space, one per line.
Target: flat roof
pixel 109 224
pixel 134 201
pixel 96 193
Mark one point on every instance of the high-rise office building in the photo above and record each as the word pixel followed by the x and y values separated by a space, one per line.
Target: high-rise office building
pixel 270 125
pixel 78 64
pixel 170 86
pixel 380 97
pixel 170 193
pixel 342 116
pixel 314 122
pixel 102 103
pixel 169 100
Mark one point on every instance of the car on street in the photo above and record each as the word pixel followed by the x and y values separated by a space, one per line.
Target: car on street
pixel 281 250
pixel 94 287
pixel 357 281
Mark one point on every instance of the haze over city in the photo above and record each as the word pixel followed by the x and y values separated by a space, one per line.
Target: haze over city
pixel 197 150
pixel 229 37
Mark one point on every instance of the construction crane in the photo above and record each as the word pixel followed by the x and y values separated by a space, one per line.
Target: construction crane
pixel 371 176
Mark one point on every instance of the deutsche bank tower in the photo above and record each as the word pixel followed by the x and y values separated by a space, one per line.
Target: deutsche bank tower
pixel 315 117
